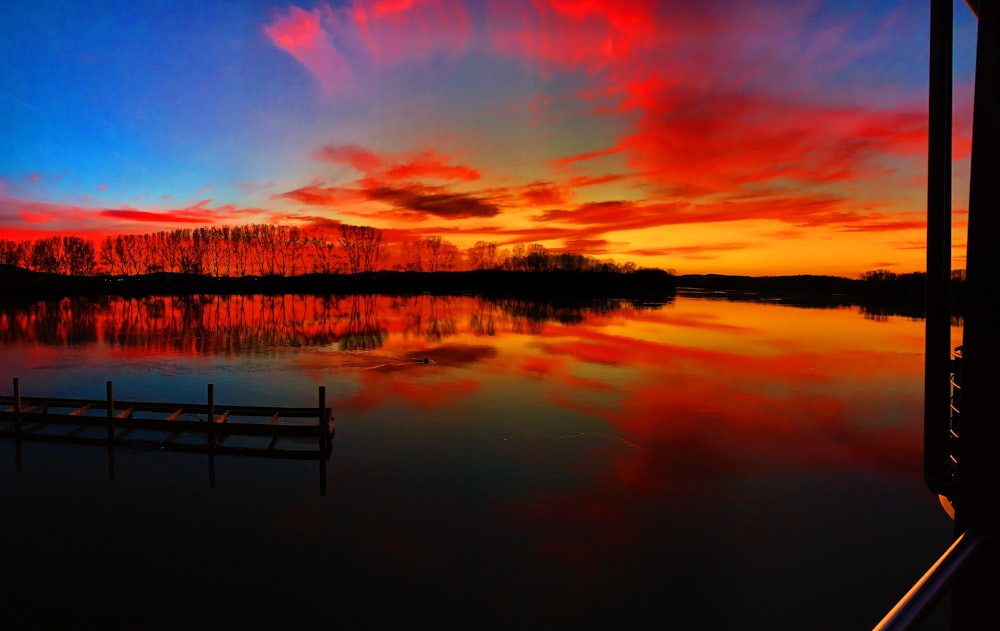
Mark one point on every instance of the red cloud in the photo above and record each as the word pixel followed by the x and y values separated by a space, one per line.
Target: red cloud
pixel 34 178
pixel 318 195
pixel 102 187
pixel 177 216
pixel 429 164
pixel 716 109
pixel 37 218
pixel 588 34
pixel 544 194
pixel 563 162
pixel 707 142
pixel 586 180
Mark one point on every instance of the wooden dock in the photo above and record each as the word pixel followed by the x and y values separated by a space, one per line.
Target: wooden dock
pixel 300 433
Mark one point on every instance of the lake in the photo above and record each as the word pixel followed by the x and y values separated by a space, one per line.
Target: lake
pixel 693 463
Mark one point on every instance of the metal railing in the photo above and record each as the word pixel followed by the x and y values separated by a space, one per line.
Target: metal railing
pixel 917 603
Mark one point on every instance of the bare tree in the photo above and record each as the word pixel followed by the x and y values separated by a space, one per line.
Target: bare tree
pixel 47 255
pixel 413 255
pixel 325 259
pixel 362 246
pixel 78 256
pixel 483 255
pixel 14 252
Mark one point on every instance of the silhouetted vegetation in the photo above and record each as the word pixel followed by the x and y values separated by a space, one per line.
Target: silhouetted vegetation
pixel 879 292
pixel 272 250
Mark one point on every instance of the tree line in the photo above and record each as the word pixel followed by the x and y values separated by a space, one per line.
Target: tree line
pixel 273 250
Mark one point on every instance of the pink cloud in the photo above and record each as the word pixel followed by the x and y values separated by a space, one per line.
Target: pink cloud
pixel 301 34
pixel 102 187
pixel 334 44
pixel 397 30
pixel 34 178
pixel 360 158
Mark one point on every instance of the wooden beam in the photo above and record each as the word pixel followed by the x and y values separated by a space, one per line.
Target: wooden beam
pixel 79 411
pixel 125 413
pixel 274 419
pixel 222 419
pixel 175 415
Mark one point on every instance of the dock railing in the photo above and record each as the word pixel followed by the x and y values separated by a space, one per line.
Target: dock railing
pixel 171 427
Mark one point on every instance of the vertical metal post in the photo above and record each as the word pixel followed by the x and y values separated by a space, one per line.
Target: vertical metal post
pixel 977 501
pixel 111 431
pixel 937 339
pixel 211 435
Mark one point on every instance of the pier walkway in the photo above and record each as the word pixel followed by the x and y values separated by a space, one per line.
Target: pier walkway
pixel 301 433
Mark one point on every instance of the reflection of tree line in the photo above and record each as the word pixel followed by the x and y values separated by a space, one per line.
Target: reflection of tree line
pixel 425 316
pixel 260 324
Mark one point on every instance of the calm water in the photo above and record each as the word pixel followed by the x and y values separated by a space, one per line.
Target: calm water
pixel 711 464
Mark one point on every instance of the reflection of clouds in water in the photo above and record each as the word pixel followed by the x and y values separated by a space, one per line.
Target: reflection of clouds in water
pixel 450 355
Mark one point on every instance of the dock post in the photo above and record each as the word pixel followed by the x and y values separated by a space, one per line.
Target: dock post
pixel 211 435
pixel 111 431
pixel 17 423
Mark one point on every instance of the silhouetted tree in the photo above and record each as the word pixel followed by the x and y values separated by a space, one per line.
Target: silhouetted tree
pixel 47 255
pixel 78 255
pixel 14 252
pixel 878 275
pixel 483 255
pixel 362 247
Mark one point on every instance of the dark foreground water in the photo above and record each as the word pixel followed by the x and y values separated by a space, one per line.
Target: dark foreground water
pixel 697 464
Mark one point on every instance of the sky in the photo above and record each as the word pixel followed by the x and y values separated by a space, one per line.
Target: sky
pixel 772 137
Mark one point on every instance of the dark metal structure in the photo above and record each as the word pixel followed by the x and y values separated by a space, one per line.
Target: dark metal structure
pixel 961 424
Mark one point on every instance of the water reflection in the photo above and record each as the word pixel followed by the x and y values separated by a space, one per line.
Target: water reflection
pixel 259 324
pixel 636 458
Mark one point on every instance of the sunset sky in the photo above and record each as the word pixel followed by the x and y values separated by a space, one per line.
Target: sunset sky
pixel 715 136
